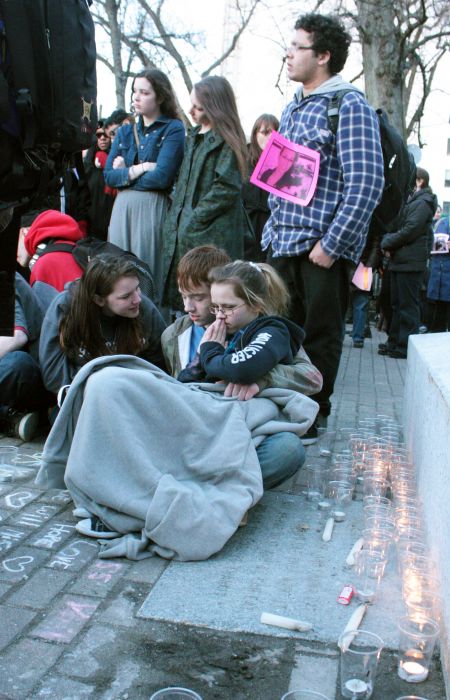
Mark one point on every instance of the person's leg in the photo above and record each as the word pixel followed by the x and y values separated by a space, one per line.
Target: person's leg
pixel 9 233
pixel 20 382
pixel 325 293
pixel 409 284
pixel 280 456
pixel 439 316
pixel 392 341
pixel 360 307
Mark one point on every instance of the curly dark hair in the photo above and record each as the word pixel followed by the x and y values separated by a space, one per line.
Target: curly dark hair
pixel 163 90
pixel 329 34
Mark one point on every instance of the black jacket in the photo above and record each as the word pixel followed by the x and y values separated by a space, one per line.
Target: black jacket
pixel 265 342
pixel 410 245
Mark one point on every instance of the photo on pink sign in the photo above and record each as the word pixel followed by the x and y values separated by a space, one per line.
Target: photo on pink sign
pixel 287 170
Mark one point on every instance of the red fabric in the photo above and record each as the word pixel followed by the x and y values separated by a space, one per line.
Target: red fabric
pixel 55 269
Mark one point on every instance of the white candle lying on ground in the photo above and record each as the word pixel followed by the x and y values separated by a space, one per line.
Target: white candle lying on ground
pixel 287 622
pixel 352 625
pixel 356 548
pixel 328 530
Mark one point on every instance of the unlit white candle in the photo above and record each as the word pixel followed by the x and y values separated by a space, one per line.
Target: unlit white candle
pixel 328 530
pixel 356 548
pixel 287 622
pixel 355 685
pixel 352 625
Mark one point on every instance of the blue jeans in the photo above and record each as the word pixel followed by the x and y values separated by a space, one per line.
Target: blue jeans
pixel 20 382
pixel 280 456
pixel 360 301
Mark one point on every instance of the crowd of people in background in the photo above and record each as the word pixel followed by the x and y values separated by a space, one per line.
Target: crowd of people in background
pixel 264 282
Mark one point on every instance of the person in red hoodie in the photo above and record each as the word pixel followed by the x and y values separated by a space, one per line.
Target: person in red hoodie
pixel 50 272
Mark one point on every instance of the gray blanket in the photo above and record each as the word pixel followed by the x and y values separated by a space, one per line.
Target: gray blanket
pixel 173 462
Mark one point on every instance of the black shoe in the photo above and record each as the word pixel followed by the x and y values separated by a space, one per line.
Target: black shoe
pixel 94 527
pixel 383 349
pixel 20 425
pixel 358 343
pixel 397 354
pixel 311 435
pixel 367 332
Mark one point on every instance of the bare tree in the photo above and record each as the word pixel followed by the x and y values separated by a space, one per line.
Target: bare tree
pixel 142 31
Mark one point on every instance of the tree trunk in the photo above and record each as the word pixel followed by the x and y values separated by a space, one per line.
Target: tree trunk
pixel 383 59
pixel 112 8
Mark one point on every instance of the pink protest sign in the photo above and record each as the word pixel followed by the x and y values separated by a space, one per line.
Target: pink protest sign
pixel 287 170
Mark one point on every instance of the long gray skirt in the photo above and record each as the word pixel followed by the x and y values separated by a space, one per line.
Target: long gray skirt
pixel 136 225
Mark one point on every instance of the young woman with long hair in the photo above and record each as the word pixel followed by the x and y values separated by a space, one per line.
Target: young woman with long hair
pixel 142 165
pixel 102 313
pixel 207 206
pixel 255 199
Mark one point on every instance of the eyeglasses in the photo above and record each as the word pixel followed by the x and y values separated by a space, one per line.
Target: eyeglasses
pixel 100 134
pixel 298 47
pixel 223 310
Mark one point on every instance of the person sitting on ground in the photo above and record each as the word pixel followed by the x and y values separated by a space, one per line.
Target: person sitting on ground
pixel 50 272
pixel 21 389
pixel 280 455
pixel 103 313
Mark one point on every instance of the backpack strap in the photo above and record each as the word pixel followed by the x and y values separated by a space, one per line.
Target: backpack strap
pixel 50 247
pixel 334 106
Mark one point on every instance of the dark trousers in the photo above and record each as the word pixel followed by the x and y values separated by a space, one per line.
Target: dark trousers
pixel 8 253
pixel 439 316
pixel 21 385
pixel 405 300
pixel 319 300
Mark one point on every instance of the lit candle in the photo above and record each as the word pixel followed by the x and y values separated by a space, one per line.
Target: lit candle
pixel 412 671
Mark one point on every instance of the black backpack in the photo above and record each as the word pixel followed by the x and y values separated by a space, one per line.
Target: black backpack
pixel 48 93
pixel 87 248
pixel 399 167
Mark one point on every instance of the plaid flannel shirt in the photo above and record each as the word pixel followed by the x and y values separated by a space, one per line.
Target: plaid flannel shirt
pixel 350 180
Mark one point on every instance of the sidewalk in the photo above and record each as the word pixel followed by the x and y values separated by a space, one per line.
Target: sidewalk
pixel 74 626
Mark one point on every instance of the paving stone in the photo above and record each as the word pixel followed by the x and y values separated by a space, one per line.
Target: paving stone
pixel 18 498
pixel 66 619
pixel 22 667
pixel 18 564
pixel 34 516
pixel 147 570
pixel 4 515
pixel 14 620
pixel 74 555
pixel 61 688
pixel 81 662
pixel 100 578
pixel 39 591
pixel 57 496
pixel 10 537
pixel 4 589
pixel 122 610
pixel 52 535
pixel 315 672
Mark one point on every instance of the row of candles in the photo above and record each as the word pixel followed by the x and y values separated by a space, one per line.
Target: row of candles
pixel 372 463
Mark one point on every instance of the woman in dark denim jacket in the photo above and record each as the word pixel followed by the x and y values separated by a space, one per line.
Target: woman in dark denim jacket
pixel 143 164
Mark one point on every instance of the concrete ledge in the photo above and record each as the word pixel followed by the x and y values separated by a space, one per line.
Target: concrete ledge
pixel 427 432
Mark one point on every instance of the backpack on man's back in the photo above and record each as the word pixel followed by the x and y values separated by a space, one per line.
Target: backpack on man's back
pixel 399 167
pixel 47 94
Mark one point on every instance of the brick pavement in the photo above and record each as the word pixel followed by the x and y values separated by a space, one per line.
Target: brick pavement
pixel 69 621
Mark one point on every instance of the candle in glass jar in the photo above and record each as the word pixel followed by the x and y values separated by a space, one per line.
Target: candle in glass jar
pixel 357 688
pixel 412 671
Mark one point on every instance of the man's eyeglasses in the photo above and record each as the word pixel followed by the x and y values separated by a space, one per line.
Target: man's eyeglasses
pixel 226 311
pixel 101 134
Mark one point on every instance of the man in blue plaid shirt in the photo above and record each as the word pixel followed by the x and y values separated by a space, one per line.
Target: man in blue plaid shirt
pixel 314 246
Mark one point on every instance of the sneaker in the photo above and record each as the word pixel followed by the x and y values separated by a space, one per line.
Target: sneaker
pixel 311 435
pixel 358 343
pixel 21 425
pixel 81 513
pixel 383 349
pixel 398 354
pixel 94 527
pixel 367 332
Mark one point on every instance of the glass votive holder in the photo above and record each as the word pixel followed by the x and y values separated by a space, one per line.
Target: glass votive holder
pixel 415 584
pixel 325 442
pixel 175 694
pixel 416 644
pixel 367 574
pixel 415 547
pixel 428 605
pixel 374 485
pixel 377 501
pixel 8 456
pixel 377 541
pixel 315 474
pixel 360 653
pixel 344 474
pixel 380 523
pixel 404 523
pixel 304 695
pixel 411 697
pixel 340 494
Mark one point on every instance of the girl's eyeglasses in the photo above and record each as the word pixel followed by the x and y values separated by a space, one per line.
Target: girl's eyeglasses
pixel 226 311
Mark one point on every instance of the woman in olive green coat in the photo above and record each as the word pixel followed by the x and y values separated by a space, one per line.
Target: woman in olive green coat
pixel 207 205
